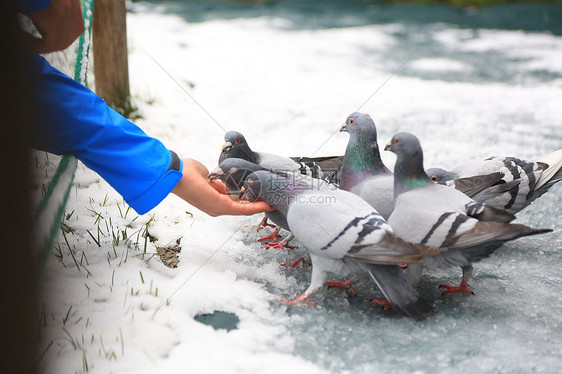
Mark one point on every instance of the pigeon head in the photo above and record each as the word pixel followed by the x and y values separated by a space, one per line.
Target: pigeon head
pixel 360 124
pixel 234 171
pixel 405 144
pixel 440 176
pixel 235 146
pixel 362 157
pixel 408 170
pixel 275 189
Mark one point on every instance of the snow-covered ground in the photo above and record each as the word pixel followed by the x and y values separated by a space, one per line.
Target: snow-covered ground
pixel 109 305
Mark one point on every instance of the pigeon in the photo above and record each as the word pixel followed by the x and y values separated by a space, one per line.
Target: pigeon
pixel 432 214
pixel 233 172
pixel 364 173
pixel 535 177
pixel 343 234
pixel 236 146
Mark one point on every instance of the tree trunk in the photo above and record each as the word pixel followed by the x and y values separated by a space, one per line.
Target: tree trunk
pixel 110 52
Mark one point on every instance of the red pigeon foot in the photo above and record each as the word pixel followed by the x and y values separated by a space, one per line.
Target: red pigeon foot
pixel 301 299
pixel 294 263
pixel 279 245
pixel 384 303
pixel 463 287
pixel 263 223
pixel 274 235
pixel 346 284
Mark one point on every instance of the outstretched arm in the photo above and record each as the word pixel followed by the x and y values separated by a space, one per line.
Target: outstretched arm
pixel 211 196
pixel 59 24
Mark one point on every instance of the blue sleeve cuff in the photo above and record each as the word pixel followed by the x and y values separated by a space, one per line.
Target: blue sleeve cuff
pixel 30 6
pixel 155 194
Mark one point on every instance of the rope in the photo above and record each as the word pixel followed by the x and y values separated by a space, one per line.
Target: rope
pixel 81 68
pixel 50 212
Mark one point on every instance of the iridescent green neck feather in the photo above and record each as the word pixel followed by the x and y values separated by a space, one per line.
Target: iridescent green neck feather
pixel 409 172
pixel 362 160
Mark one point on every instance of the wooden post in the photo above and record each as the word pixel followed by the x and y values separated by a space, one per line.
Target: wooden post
pixel 110 52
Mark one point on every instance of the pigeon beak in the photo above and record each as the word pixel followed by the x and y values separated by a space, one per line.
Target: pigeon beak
pixel 216 173
pixel 226 147
pixel 388 146
pixel 242 193
pixel 343 128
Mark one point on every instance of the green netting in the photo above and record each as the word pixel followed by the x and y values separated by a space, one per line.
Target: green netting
pixel 50 211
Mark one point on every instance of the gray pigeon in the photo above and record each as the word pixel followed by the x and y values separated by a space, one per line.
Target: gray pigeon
pixel 233 172
pixel 435 215
pixel 535 177
pixel 364 173
pixel 343 234
pixel 236 146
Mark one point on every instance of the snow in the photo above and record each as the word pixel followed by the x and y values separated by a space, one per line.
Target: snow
pixel 288 85
pixel 439 64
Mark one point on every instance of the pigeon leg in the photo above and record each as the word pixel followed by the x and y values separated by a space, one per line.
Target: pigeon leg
pixel 301 299
pixel 281 244
pixel 346 284
pixel 317 279
pixel 263 223
pixel 294 264
pixel 463 287
pixel 386 305
pixel 274 235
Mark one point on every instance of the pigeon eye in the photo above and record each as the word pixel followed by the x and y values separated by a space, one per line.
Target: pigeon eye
pixel 233 170
pixel 434 178
pixel 237 141
pixel 396 141
pixel 351 121
pixel 250 182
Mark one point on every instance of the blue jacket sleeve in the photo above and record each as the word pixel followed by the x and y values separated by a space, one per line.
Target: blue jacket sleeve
pixel 30 6
pixel 74 120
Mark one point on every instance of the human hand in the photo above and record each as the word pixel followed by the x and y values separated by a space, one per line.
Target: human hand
pixel 212 196
pixel 59 24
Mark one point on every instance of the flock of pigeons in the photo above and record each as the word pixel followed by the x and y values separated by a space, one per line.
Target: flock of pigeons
pixel 352 214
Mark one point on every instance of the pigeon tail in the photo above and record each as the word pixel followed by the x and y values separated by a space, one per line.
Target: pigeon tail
pixel 550 176
pixel 553 173
pixel 398 291
pixel 490 234
pixel 507 233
